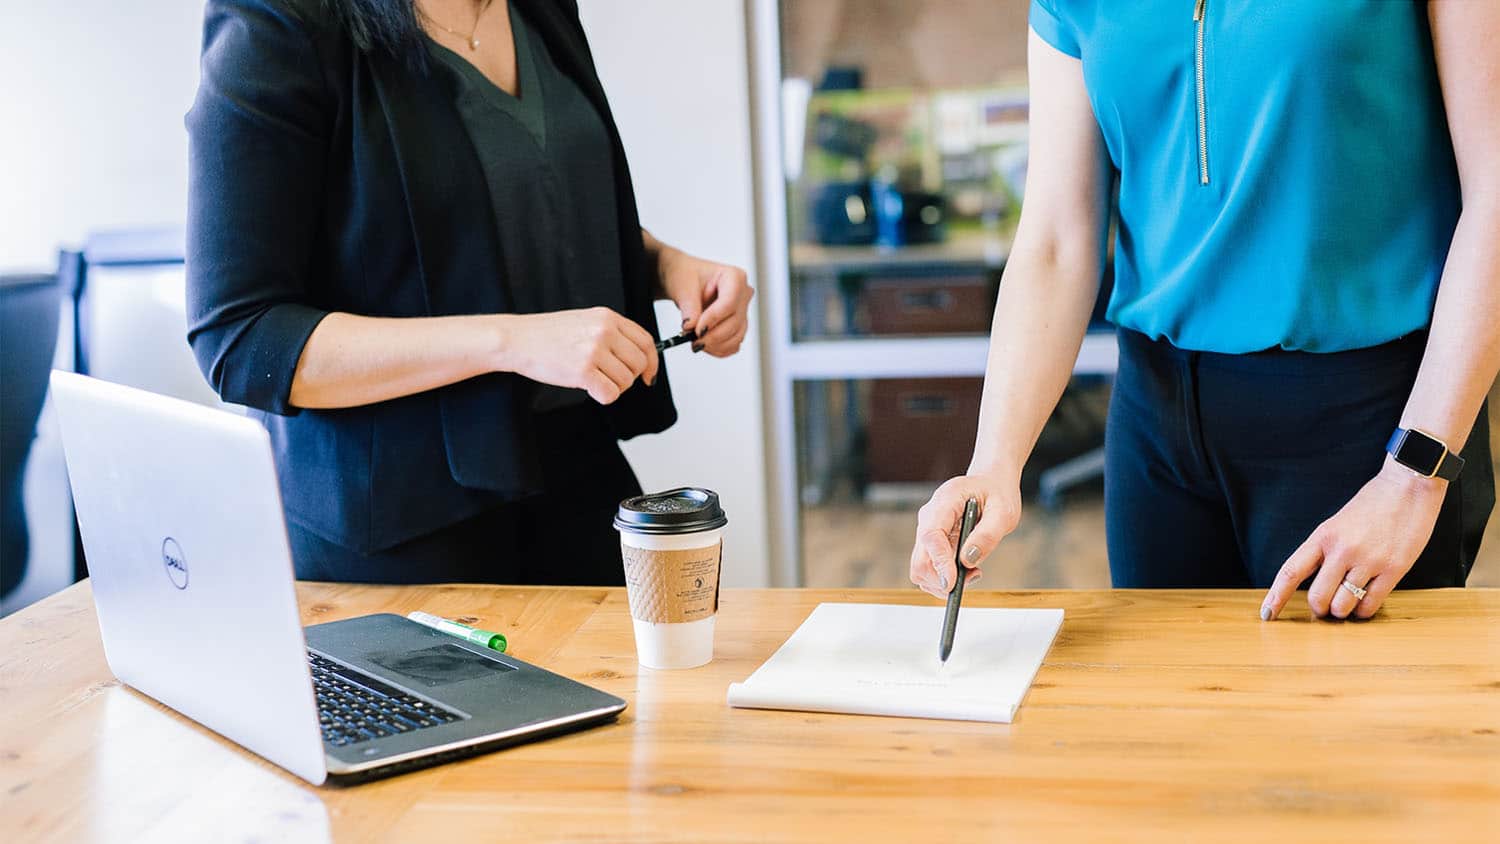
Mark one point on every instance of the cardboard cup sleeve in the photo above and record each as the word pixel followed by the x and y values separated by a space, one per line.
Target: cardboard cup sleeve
pixel 672 587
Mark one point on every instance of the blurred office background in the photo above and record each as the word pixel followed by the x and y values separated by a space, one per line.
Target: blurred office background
pixel 863 159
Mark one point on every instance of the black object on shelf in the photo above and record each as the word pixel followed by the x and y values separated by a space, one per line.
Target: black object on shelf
pixel 842 78
pixel 841 214
pixel 844 136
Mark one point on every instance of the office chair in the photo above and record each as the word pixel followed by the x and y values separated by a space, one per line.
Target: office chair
pixel 142 247
pixel 29 309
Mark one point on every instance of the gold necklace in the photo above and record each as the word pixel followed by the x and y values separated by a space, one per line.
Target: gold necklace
pixel 473 42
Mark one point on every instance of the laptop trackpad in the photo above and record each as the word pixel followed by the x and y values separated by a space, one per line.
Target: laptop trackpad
pixel 438 665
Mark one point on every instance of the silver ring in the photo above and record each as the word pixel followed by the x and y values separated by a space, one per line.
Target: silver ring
pixel 1357 591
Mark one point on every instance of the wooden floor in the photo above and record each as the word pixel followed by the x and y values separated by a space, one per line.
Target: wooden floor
pixel 850 545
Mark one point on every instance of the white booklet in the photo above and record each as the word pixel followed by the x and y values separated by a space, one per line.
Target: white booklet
pixel 882 659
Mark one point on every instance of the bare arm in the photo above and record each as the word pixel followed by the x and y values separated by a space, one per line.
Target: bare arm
pixel 354 360
pixel 1048 290
pixel 1463 347
pixel 1052 277
pixel 1374 540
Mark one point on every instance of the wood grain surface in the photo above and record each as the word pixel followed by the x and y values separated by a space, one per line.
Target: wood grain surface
pixel 1158 715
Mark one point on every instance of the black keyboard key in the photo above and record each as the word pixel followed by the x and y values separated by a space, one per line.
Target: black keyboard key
pixel 354 707
pixel 405 718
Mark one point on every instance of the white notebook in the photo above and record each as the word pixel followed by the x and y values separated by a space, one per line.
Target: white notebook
pixel 881 659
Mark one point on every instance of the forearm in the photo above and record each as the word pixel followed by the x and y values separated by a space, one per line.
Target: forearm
pixel 1052 276
pixel 352 360
pixel 1463 346
pixel 1040 319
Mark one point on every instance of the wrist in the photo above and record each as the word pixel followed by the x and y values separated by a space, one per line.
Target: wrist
pixel 1003 471
pixel 502 350
pixel 667 275
pixel 1409 480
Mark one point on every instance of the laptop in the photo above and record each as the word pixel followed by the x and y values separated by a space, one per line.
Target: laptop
pixel 182 526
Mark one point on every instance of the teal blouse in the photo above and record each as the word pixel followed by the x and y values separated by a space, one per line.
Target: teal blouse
pixel 1286 174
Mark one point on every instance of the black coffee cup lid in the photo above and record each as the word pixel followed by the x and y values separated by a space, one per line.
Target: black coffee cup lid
pixel 682 510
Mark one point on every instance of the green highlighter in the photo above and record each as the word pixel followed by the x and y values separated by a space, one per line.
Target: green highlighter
pixel 483 638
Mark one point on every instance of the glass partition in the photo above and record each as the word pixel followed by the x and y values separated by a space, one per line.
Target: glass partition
pixel 902 141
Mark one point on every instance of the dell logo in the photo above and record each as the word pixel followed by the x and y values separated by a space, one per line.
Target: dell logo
pixel 174 561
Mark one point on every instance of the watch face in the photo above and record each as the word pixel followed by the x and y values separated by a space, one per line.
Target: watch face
pixel 1420 452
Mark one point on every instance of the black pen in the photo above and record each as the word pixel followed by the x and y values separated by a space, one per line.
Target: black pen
pixel 956 595
pixel 684 337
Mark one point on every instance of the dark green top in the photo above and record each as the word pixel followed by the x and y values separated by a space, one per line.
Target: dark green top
pixel 546 157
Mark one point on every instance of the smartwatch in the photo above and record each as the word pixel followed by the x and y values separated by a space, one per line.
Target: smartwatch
pixel 1424 454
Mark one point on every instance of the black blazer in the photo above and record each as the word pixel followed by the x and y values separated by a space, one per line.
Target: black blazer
pixel 323 178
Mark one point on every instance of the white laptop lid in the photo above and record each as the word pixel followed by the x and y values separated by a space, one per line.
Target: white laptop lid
pixel 187 552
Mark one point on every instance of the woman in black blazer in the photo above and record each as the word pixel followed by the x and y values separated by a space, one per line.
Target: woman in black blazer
pixel 414 252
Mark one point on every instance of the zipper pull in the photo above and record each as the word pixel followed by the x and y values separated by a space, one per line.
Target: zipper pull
pixel 1198 10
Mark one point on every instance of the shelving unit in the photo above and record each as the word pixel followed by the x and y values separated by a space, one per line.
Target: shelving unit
pixel 790 359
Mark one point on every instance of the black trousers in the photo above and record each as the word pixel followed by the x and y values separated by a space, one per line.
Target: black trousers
pixel 564 536
pixel 1218 466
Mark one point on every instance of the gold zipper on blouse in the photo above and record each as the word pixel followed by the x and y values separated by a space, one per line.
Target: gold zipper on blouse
pixel 1198 10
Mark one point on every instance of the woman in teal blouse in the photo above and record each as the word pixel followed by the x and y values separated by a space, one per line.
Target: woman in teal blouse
pixel 1306 285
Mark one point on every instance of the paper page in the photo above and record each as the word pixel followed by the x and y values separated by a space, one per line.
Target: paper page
pixel 880 659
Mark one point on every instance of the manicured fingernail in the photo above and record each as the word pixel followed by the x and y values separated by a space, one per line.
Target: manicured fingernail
pixel 972 553
pixel 943 580
pixel 978 576
pixel 1265 613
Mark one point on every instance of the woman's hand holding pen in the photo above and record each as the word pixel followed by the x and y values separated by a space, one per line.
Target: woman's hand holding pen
pixel 999 497
pixel 594 349
pixel 714 299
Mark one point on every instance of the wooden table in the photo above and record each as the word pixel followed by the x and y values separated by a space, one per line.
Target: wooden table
pixel 1161 715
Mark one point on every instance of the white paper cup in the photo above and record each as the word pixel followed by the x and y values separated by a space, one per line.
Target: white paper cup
pixel 672 545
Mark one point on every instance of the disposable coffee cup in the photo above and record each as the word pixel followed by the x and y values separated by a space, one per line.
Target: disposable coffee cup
pixel 672 543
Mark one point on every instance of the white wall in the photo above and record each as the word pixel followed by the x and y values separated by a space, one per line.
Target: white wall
pixel 677 76
pixel 92 96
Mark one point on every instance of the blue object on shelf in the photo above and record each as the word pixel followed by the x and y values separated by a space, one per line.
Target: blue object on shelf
pixel 903 217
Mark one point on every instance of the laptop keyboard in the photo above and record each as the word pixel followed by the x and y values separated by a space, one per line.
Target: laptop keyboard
pixel 355 707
